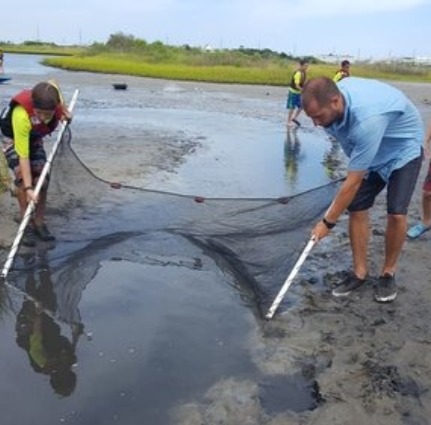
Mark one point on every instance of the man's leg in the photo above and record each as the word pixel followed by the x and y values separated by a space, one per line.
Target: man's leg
pixel 425 224
pixel 400 190
pixel 359 236
pixel 394 240
pixel 426 208
pixel 401 185
pixel 426 199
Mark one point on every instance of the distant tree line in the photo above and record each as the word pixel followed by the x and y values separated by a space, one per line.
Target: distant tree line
pixel 158 51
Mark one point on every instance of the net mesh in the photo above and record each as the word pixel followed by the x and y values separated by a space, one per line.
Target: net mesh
pixel 254 242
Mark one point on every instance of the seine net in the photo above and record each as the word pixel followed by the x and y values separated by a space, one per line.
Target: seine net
pixel 253 242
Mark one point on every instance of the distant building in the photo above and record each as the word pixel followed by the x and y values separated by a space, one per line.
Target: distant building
pixel 334 58
pixel 208 48
pixel 412 60
pixel 423 60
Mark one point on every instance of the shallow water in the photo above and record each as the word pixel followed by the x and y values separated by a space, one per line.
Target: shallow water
pixel 24 64
pixel 146 345
pixel 235 156
pixel 137 338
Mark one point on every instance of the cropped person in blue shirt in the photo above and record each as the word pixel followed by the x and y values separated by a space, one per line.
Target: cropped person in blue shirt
pixel 381 133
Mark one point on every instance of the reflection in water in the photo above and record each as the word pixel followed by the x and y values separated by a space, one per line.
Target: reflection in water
pixel 333 160
pixel 55 295
pixel 5 303
pixel 292 148
pixel 49 351
pixel 296 147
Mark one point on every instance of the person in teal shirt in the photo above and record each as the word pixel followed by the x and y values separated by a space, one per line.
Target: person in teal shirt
pixel 381 133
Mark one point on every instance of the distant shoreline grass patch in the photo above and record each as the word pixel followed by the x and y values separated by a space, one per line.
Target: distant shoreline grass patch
pixel 267 74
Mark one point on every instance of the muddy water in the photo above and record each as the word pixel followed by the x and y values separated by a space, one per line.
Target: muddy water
pixel 130 349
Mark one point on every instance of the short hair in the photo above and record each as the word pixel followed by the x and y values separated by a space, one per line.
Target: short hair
pixel 45 96
pixel 303 62
pixel 345 63
pixel 320 89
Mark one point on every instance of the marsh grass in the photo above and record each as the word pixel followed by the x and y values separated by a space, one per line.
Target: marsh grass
pixel 40 48
pixel 266 73
pixel 133 65
pixel 125 55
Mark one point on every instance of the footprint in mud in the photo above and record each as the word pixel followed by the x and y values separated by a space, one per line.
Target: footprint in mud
pixel 297 393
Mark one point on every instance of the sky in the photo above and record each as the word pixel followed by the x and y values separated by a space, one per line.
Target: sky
pixel 360 28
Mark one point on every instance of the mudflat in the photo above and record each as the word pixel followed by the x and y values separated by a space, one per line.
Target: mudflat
pixel 370 362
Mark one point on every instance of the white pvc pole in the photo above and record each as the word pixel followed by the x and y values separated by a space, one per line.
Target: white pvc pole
pixel 290 278
pixel 31 205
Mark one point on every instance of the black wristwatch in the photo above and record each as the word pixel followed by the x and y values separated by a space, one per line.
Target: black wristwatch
pixel 328 224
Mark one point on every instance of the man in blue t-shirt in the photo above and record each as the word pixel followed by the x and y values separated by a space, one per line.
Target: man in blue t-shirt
pixel 381 133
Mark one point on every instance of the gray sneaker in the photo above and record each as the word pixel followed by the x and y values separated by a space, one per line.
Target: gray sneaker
pixel 347 285
pixel 386 289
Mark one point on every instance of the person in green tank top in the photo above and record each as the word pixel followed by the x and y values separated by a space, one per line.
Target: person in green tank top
pixel 293 104
pixel 343 72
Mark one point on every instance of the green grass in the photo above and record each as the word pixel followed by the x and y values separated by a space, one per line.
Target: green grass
pixel 132 65
pixel 42 49
pixel 125 55
pixel 274 74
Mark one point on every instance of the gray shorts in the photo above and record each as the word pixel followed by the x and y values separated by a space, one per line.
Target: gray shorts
pixel 400 189
pixel 37 160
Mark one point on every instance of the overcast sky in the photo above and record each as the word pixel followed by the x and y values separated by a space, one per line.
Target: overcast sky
pixel 364 28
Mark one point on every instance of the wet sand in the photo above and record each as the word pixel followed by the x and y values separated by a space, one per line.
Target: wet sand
pixel 368 363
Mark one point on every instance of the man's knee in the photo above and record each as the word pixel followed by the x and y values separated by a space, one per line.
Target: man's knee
pixel 397 219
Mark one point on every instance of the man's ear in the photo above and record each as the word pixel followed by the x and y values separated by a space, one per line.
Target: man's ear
pixel 336 102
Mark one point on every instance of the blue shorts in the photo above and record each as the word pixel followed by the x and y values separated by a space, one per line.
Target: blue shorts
pixel 37 161
pixel 400 189
pixel 293 100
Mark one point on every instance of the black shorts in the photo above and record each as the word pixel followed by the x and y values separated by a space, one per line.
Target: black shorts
pixel 400 189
